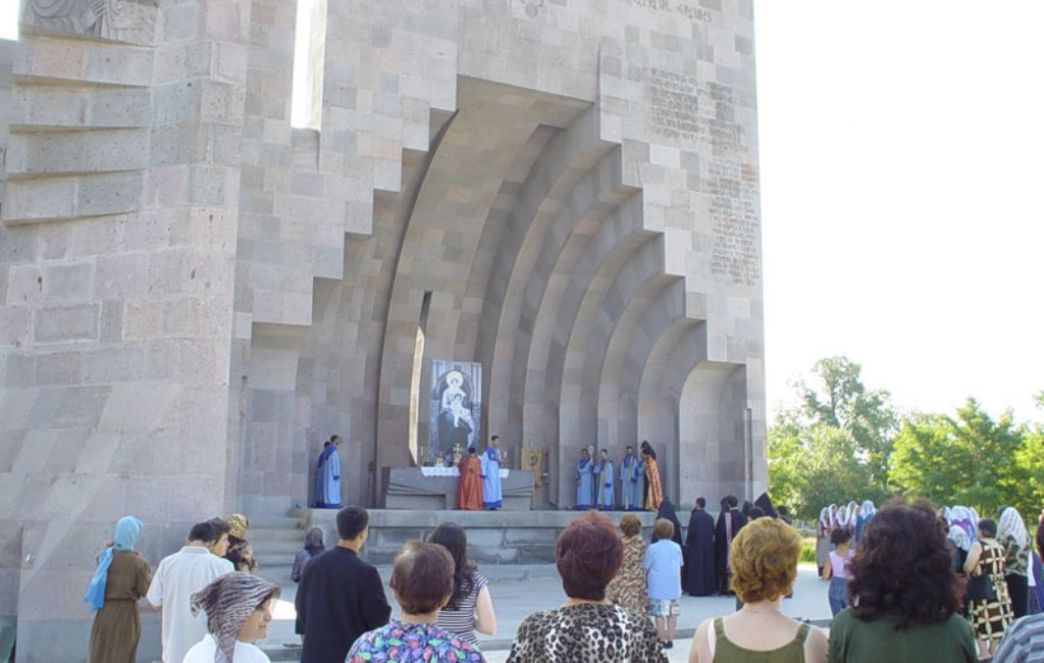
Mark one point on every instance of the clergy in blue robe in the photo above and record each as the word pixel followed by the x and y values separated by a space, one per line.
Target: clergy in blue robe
pixel 630 476
pixel 491 496
pixel 328 476
pixel 605 480
pixel 585 481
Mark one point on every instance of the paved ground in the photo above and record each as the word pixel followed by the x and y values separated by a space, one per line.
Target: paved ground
pixel 519 590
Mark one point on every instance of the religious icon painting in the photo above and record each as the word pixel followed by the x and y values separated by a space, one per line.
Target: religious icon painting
pixel 455 410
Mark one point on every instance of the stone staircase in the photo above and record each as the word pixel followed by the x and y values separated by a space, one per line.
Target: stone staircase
pixel 276 540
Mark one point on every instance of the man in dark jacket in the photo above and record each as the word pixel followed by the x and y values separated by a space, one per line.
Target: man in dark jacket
pixel 340 596
pixel 699 542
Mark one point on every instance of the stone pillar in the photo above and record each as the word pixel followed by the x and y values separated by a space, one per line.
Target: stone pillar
pixel 117 248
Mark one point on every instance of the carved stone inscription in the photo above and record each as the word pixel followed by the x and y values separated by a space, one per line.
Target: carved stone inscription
pixel 701 115
pixel 733 210
pixel 691 12
pixel 686 109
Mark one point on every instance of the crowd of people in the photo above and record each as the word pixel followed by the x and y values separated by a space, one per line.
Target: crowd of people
pixel 914 587
pixel 213 606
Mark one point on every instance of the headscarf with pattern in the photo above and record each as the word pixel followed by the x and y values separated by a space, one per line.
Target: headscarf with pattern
pixel 237 524
pixel 959 537
pixel 229 602
pixel 1011 525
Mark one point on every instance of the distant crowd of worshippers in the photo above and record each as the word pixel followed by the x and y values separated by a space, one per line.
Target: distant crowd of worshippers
pixel 998 570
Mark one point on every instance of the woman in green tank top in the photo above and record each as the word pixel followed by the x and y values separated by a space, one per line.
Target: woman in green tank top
pixel 763 561
pixel 905 603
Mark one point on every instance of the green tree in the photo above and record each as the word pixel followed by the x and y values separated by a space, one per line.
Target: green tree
pixel 969 458
pixel 838 397
pixel 835 444
pixel 811 467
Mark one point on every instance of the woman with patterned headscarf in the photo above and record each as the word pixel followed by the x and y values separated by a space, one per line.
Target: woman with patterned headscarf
pixel 239 551
pixel 238 608
pixel 121 579
pixel 1012 536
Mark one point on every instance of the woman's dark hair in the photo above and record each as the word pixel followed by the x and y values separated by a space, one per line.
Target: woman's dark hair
pixel 422 577
pixel 903 569
pixel 840 535
pixel 588 553
pixel 988 527
pixel 452 537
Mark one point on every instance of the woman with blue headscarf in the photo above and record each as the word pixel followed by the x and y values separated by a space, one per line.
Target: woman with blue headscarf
pixel 121 579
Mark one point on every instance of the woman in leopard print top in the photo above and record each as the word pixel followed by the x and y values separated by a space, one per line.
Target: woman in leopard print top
pixel 587 628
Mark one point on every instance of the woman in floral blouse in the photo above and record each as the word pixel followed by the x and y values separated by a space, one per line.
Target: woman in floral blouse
pixel 422 581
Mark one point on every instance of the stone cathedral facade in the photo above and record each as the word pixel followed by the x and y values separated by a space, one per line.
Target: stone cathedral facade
pixel 194 294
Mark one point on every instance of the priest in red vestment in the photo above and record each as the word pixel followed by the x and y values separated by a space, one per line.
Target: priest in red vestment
pixel 469 490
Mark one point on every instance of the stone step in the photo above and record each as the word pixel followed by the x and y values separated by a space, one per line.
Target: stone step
pixel 274 522
pixel 39 199
pixel 275 548
pixel 41 153
pixel 259 534
pixel 53 106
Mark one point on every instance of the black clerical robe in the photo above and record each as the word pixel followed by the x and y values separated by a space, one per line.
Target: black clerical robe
pixel 340 598
pixel 699 544
pixel 721 546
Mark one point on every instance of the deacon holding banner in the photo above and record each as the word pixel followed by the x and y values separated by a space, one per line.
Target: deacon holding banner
pixel 492 499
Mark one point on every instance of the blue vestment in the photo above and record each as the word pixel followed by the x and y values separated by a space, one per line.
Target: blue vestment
pixel 606 482
pixel 328 479
pixel 630 476
pixel 491 495
pixel 585 484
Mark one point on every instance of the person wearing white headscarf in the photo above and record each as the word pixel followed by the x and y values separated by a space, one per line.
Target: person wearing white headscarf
pixel 1012 536
pixel 238 608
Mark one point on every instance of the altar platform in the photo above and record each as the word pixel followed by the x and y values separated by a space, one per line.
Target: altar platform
pixel 436 488
pixel 494 537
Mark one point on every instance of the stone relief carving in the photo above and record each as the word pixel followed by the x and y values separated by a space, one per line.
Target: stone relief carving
pixel 131 21
pixel 533 7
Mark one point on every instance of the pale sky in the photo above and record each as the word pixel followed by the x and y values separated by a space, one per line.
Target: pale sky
pixel 9 19
pixel 901 146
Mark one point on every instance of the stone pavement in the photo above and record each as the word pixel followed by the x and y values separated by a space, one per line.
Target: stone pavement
pixel 519 590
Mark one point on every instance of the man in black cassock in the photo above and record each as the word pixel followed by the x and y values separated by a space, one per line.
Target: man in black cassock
pixel 766 505
pixel 723 536
pixel 340 596
pixel 699 543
